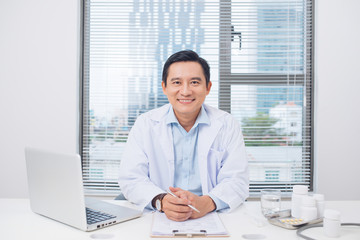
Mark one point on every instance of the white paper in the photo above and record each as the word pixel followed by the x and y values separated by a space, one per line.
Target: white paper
pixel 211 223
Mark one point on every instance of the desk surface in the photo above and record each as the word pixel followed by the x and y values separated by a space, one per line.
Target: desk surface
pixel 17 221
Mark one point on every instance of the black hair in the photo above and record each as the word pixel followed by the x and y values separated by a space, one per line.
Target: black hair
pixel 186 56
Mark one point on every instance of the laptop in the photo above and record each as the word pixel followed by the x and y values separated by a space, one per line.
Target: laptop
pixel 56 191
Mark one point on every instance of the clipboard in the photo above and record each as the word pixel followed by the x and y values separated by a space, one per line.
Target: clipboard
pixel 208 226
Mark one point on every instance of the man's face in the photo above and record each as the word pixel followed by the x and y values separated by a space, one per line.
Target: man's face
pixel 186 88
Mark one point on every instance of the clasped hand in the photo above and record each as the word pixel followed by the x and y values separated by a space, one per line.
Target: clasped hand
pixel 177 209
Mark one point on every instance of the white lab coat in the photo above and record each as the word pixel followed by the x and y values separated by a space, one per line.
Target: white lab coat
pixel 147 166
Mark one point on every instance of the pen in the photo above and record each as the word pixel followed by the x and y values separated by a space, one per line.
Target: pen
pixel 190 206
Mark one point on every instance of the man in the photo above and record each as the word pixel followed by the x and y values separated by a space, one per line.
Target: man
pixel 194 150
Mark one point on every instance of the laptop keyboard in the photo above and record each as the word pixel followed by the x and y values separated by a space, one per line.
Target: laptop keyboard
pixel 93 216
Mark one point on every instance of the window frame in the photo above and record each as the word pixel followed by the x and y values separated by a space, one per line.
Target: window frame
pixel 224 94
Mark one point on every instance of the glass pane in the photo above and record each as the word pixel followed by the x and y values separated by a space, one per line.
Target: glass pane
pixel 272 123
pixel 268 36
pixel 128 44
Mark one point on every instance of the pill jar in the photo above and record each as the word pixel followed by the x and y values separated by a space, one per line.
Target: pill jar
pixel 308 209
pixel 332 223
pixel 299 191
pixel 320 204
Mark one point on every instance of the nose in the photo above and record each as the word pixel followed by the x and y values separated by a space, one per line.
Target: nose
pixel 185 89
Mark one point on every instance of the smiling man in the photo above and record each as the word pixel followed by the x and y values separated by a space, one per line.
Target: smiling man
pixel 186 88
pixel 187 147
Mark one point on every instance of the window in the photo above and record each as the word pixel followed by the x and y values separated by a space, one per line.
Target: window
pixel 260 53
pixel 272 175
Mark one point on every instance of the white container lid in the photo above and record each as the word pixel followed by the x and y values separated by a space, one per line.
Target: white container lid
pixel 332 214
pixel 308 201
pixel 319 197
pixel 300 189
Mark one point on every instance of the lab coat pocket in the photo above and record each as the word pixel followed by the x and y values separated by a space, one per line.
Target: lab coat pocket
pixel 215 161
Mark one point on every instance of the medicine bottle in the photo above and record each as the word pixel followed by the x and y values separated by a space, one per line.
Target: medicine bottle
pixel 299 191
pixel 308 209
pixel 320 204
pixel 332 223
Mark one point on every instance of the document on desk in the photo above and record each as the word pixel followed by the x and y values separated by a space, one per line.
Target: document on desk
pixel 209 225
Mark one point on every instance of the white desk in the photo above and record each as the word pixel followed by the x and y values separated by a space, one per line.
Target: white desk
pixel 17 221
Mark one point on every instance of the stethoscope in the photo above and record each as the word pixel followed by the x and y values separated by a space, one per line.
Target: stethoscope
pixel 299 232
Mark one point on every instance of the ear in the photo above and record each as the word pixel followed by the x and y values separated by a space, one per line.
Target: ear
pixel 163 87
pixel 208 87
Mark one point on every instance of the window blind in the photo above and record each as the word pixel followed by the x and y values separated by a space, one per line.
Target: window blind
pixel 260 54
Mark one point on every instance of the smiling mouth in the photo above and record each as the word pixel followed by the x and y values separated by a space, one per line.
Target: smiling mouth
pixel 185 100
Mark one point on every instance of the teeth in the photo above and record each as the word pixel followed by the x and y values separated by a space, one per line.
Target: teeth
pixel 185 101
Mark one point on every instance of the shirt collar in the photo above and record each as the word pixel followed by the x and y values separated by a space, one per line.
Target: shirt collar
pixel 202 117
pixel 170 117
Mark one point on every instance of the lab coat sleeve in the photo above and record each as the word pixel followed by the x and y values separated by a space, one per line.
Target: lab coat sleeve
pixel 233 178
pixel 134 178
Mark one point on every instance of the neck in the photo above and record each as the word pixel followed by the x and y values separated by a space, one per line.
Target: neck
pixel 187 121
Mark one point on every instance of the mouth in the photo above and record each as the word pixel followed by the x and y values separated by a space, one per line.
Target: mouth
pixel 186 101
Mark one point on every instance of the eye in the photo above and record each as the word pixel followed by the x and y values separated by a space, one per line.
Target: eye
pixel 176 82
pixel 195 82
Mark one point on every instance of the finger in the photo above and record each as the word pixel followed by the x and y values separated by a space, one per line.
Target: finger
pixel 178 198
pixel 184 194
pixel 178 216
pixel 175 200
pixel 181 193
pixel 176 212
pixel 172 189
pixel 195 215
pixel 171 202
pixel 187 195
pixel 179 219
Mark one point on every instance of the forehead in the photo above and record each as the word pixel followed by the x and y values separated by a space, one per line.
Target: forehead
pixel 185 70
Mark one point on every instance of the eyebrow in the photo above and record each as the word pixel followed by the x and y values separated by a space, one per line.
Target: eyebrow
pixel 194 78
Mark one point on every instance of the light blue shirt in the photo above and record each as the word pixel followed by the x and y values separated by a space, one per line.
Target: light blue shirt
pixel 187 174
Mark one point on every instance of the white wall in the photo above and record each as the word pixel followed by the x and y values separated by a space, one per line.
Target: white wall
pixel 39 53
pixel 39 57
pixel 338 98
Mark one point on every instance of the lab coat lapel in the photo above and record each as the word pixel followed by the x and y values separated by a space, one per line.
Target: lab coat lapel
pixel 165 139
pixel 207 135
